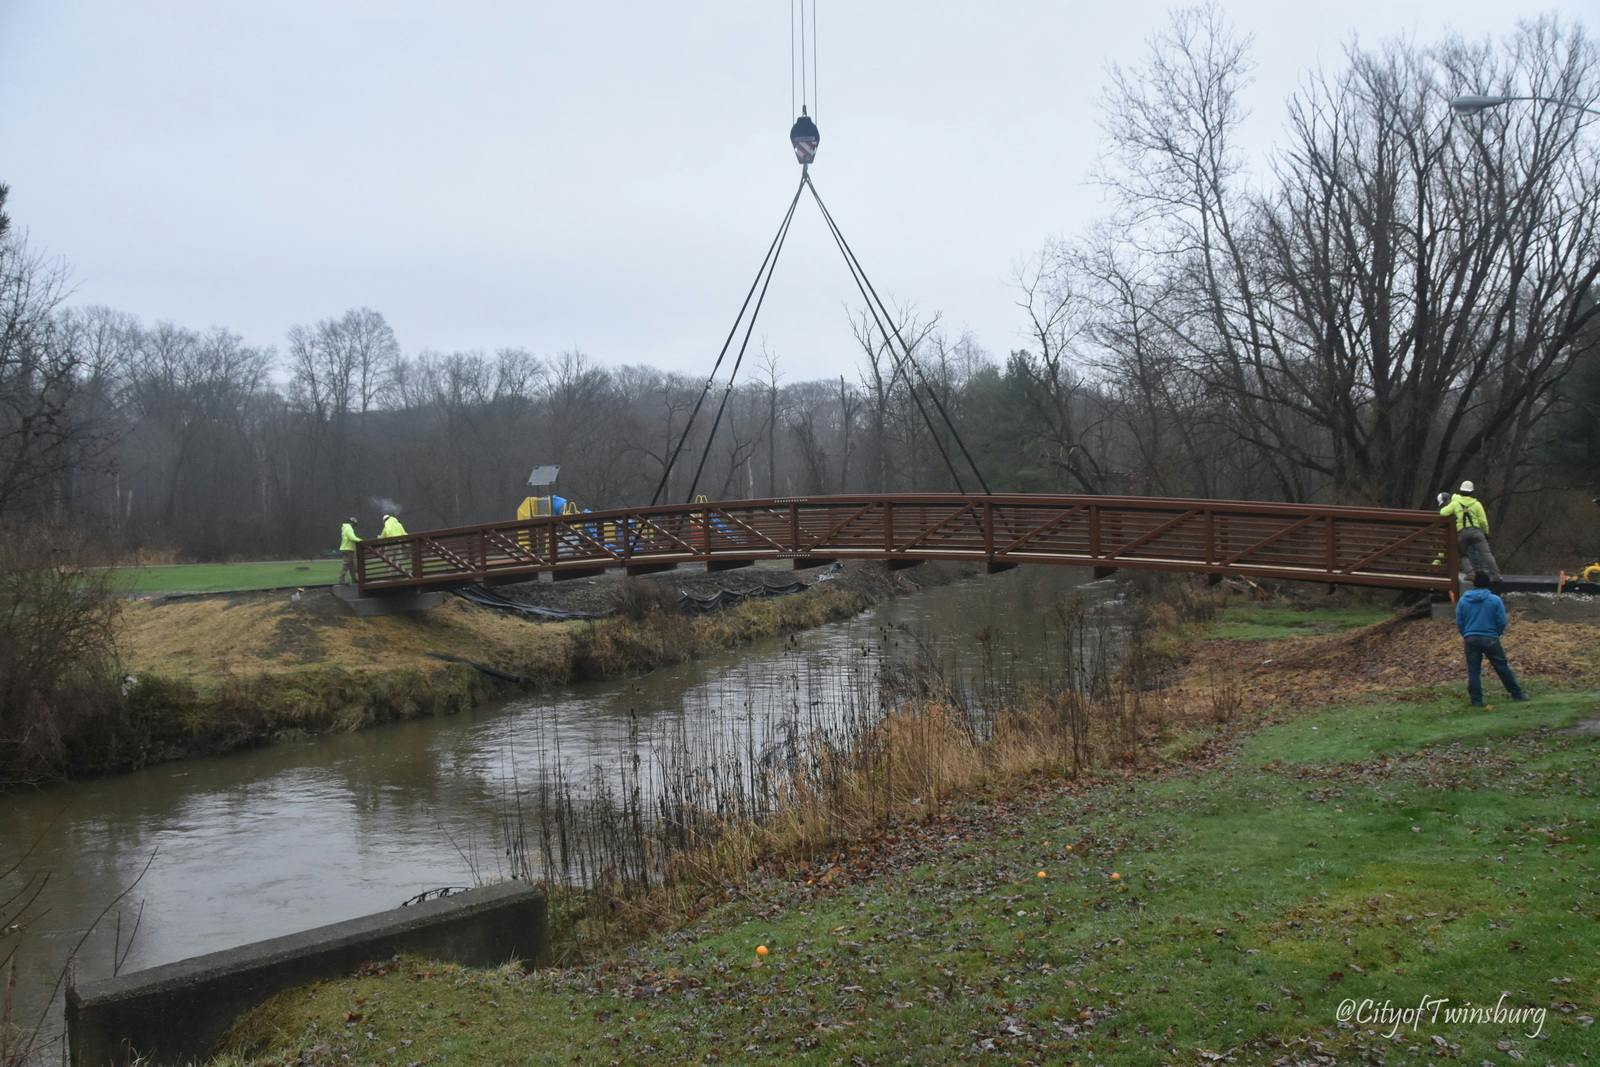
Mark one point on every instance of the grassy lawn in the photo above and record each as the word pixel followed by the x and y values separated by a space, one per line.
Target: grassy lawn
pixel 1368 853
pixel 1267 622
pixel 226 577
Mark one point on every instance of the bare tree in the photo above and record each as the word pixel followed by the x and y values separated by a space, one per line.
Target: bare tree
pixel 196 395
pixel 1396 307
pixel 365 344
pixel 892 411
pixel 769 426
pixel 1054 389
pixel 807 423
pixel 39 377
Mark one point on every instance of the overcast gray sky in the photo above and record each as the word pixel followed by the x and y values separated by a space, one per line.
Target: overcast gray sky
pixel 600 176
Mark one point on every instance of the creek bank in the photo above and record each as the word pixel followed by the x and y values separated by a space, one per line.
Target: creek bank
pixel 1045 919
pixel 210 675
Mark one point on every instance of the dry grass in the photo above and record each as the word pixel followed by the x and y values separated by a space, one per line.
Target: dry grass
pixel 620 646
pixel 251 635
pixel 1392 659
pixel 266 634
pixel 903 770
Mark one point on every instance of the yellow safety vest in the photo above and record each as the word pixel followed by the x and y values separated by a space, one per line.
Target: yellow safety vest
pixel 1467 512
pixel 347 538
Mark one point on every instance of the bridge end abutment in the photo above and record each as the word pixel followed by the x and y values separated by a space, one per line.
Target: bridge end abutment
pixel 400 603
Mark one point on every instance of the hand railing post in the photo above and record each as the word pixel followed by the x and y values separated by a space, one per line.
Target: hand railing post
pixel 1094 531
pixel 988 530
pixel 1333 545
pixel 794 526
pixel 1452 552
pixel 888 527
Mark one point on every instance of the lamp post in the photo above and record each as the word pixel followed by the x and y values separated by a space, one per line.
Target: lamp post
pixel 1472 104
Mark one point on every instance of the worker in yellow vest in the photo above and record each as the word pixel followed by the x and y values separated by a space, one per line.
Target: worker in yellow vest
pixel 392 527
pixel 1472 532
pixel 347 549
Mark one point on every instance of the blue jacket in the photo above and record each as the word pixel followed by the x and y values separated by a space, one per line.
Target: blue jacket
pixel 1479 613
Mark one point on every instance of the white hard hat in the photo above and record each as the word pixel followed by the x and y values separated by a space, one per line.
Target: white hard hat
pixel 1466 487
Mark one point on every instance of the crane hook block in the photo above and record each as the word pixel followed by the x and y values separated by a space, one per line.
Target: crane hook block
pixel 805 138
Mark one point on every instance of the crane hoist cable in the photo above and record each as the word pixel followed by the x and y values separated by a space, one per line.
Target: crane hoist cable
pixel 803 135
pixel 733 375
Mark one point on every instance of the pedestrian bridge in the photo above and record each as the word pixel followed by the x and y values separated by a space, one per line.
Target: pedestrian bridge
pixel 1297 542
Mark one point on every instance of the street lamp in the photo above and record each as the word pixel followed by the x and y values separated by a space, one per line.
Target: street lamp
pixel 1472 104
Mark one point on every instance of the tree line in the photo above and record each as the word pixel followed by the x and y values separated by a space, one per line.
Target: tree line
pixel 1396 298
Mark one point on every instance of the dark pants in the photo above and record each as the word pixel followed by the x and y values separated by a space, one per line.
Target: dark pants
pixel 347 573
pixel 1475 553
pixel 1479 647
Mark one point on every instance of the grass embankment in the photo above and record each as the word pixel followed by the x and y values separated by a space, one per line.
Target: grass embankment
pixel 222 673
pixel 1377 850
pixel 1271 621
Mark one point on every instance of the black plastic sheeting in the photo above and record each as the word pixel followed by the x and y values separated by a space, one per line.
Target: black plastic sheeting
pixel 687 602
pixel 723 598
pixel 489 599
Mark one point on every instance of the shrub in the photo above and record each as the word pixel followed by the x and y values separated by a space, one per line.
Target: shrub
pixel 60 679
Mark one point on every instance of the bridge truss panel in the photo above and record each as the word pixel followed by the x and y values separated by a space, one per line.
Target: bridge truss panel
pixel 1339 545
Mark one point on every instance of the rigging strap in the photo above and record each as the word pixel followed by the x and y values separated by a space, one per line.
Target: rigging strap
pixel 733 375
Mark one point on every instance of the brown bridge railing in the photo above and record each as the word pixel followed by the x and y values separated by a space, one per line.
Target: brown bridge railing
pixel 1339 545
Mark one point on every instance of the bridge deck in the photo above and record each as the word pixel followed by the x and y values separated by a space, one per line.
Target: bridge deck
pixel 1339 545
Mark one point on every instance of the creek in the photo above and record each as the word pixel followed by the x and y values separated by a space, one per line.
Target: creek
pixel 267 842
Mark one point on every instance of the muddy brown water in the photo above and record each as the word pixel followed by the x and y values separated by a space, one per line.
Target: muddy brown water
pixel 263 843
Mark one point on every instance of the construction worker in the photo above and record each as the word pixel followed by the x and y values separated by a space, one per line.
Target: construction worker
pixel 1481 619
pixel 392 527
pixel 347 548
pixel 1472 532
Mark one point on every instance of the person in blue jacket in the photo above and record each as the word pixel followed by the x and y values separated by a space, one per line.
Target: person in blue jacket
pixel 1481 618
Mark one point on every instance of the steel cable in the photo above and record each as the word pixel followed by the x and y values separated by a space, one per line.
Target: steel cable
pixel 733 375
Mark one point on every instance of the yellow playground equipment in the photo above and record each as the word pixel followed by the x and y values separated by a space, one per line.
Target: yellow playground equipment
pixel 1590 575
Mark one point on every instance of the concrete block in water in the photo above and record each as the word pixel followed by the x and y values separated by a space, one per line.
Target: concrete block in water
pixel 177 1012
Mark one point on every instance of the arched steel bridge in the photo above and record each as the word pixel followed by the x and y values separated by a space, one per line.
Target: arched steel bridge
pixel 1299 542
